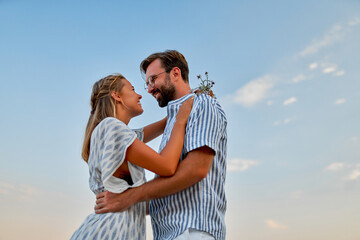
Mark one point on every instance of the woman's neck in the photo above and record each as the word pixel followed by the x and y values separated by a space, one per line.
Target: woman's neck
pixel 122 114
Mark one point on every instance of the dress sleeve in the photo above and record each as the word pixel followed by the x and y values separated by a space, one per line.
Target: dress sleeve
pixel 205 127
pixel 139 133
pixel 117 138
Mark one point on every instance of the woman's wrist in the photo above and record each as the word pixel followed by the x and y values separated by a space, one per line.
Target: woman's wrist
pixel 180 123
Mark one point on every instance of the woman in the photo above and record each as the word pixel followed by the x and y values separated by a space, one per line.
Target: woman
pixel 117 157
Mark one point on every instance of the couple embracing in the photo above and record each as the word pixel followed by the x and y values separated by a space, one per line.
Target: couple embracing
pixel 186 200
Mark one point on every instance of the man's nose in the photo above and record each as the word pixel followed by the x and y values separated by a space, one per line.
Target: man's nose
pixel 150 88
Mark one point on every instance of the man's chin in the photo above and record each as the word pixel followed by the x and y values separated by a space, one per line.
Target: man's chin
pixel 160 101
pixel 162 104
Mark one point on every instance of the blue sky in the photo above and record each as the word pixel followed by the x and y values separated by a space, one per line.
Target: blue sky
pixel 286 73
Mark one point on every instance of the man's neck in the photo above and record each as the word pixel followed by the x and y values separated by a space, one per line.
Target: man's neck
pixel 182 90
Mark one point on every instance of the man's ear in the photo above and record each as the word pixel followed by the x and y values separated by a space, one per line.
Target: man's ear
pixel 176 72
pixel 116 96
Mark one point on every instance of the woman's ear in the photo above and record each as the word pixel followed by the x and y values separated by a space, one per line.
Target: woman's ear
pixel 116 96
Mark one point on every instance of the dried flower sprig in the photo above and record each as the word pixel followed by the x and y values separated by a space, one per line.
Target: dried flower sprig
pixel 204 86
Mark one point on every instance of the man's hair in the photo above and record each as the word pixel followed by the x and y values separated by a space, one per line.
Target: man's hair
pixel 169 59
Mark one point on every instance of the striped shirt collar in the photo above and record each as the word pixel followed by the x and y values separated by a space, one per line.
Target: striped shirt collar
pixel 174 105
pixel 180 100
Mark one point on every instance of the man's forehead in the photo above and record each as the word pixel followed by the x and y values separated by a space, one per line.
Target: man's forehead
pixel 154 67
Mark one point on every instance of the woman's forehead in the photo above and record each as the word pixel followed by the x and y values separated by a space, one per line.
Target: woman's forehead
pixel 127 83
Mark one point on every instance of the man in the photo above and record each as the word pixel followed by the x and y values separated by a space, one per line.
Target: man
pixel 191 204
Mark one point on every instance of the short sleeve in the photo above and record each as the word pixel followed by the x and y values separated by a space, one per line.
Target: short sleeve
pixel 139 133
pixel 205 126
pixel 117 138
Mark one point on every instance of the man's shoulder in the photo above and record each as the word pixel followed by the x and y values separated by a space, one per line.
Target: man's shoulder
pixel 204 102
pixel 204 98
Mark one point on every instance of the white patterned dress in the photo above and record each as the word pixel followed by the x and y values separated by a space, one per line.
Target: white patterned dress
pixel 109 142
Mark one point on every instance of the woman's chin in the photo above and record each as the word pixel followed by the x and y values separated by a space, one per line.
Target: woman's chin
pixel 139 112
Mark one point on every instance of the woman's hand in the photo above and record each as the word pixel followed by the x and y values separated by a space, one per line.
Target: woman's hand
pixel 184 111
pixel 165 163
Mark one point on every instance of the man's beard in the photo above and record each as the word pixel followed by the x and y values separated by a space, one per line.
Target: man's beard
pixel 167 92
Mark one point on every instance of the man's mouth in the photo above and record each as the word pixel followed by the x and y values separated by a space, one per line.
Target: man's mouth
pixel 156 94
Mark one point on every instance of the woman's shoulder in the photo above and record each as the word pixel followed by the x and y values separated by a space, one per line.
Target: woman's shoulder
pixel 110 124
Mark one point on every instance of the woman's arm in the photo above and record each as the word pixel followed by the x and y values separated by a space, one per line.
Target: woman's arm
pixel 165 162
pixel 191 170
pixel 154 130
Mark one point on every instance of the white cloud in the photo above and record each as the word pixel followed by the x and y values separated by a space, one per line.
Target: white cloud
pixel 285 121
pixel 338 166
pixel 299 78
pixel 340 73
pixel 333 35
pixel 274 225
pixel 5 188
pixel 340 101
pixel 297 194
pixel 355 139
pixel 254 91
pixel 237 164
pixel 28 192
pixel 290 101
pixel 277 123
pixel 328 67
pixel 269 103
pixel 335 166
pixel 329 70
pixel 355 174
pixel 353 22
pixel 313 66
pixel 20 192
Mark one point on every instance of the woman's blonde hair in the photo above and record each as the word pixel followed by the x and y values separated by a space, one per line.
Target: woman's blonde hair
pixel 102 106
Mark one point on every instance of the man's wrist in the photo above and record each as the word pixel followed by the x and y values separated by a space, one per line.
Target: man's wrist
pixel 136 194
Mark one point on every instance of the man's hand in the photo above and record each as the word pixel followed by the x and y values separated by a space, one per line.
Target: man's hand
pixel 191 170
pixel 114 202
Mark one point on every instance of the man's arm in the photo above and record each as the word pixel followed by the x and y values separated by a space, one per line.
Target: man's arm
pixel 154 130
pixel 191 170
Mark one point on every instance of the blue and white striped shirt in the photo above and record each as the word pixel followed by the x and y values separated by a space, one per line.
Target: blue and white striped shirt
pixel 201 206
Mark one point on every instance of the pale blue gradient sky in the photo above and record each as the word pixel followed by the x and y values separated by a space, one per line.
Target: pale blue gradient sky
pixel 287 74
